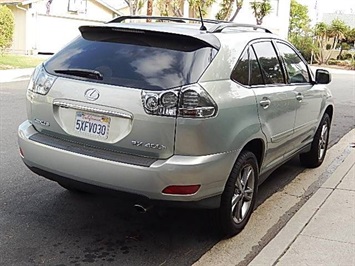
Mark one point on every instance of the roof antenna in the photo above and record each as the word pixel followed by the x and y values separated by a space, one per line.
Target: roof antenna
pixel 203 25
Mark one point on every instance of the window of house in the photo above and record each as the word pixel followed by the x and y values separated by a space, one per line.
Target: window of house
pixel 296 69
pixel 269 63
pixel 77 6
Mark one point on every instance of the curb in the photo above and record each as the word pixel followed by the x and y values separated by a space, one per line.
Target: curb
pixel 275 214
pixel 278 246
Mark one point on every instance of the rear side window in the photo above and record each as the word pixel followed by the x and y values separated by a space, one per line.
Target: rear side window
pixel 241 71
pixel 256 78
pixel 269 63
pixel 135 59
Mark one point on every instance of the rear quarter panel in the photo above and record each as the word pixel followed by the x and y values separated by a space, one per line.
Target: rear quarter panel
pixel 235 124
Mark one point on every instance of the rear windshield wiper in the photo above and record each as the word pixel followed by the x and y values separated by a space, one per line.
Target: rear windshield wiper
pixel 85 73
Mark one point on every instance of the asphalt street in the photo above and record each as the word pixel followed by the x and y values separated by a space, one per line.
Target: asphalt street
pixel 42 223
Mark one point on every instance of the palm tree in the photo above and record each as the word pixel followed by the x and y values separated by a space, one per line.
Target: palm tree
pixel 337 31
pixel 321 34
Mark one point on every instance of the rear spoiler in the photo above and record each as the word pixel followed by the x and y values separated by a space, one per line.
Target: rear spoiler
pixel 181 38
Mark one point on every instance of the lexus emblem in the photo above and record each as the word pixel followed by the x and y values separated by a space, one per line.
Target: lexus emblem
pixel 92 94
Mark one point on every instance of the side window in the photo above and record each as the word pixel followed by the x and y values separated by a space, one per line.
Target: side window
pixel 269 63
pixel 296 68
pixel 241 71
pixel 256 77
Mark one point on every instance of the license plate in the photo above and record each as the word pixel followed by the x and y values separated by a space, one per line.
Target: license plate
pixel 92 125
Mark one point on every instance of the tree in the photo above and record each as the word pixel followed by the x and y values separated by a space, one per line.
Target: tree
pixel 320 31
pixel 6 27
pixel 149 7
pixel 300 33
pixel 135 6
pixel 299 19
pixel 175 7
pixel 260 10
pixel 347 41
pixel 226 9
pixel 337 31
pixel 239 7
pixel 203 4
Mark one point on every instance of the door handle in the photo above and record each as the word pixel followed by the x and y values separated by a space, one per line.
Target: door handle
pixel 265 103
pixel 299 97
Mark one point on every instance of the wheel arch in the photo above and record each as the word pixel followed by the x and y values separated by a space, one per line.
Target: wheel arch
pixel 257 147
pixel 330 111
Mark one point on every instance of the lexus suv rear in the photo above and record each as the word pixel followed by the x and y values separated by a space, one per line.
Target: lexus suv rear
pixel 174 113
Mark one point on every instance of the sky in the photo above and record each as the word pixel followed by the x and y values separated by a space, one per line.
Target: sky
pixel 316 8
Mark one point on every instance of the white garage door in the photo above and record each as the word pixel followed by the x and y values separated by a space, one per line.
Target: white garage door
pixel 52 32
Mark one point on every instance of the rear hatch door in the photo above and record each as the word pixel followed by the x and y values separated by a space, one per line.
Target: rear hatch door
pixel 101 78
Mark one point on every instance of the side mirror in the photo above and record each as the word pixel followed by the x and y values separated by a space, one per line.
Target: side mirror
pixel 323 76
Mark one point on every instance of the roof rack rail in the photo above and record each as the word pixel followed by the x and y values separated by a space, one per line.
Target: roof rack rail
pixel 174 19
pixel 221 26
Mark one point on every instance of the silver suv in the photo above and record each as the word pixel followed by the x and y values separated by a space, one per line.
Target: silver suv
pixel 171 112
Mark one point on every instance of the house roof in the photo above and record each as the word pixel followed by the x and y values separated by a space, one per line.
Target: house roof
pixel 26 2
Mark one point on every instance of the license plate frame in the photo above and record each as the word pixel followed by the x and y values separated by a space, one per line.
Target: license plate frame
pixel 93 125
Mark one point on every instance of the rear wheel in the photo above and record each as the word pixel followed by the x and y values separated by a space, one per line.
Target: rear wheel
pixel 238 198
pixel 316 155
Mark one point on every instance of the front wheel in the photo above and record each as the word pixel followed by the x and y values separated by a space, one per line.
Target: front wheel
pixel 316 155
pixel 238 198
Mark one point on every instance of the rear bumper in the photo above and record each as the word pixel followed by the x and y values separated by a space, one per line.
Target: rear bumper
pixel 146 182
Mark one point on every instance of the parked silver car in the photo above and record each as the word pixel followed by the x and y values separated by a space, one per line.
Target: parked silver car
pixel 175 113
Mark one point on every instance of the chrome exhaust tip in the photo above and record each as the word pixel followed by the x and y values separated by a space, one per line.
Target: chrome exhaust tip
pixel 141 209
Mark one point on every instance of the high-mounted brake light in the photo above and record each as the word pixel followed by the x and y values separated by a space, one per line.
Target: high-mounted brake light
pixel 190 101
pixel 40 81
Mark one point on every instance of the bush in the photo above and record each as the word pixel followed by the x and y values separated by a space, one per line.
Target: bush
pixel 328 46
pixel 332 62
pixel 6 27
pixel 352 64
pixel 348 56
pixel 342 63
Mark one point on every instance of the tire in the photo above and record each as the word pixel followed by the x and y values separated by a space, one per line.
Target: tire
pixel 316 155
pixel 239 195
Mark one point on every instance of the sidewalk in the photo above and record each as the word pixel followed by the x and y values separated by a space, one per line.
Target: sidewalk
pixel 10 75
pixel 322 232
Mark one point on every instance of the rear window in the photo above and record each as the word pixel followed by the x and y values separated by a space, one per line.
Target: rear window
pixel 150 61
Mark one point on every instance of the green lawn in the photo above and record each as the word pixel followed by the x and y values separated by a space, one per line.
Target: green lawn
pixel 11 61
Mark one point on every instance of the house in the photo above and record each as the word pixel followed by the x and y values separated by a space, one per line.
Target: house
pixel 348 19
pixel 44 26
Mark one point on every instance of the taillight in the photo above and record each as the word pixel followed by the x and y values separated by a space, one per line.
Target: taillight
pixel 190 101
pixel 160 103
pixel 195 102
pixel 40 81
